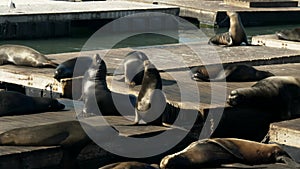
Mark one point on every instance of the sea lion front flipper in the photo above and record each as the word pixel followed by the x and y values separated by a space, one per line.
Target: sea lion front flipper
pixel 288 161
pixel 55 139
pixel 228 146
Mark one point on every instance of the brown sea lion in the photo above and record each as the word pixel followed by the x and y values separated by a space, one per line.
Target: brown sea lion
pixel 218 151
pixel 236 34
pixel 14 103
pixel 292 35
pixel 134 67
pixel 129 165
pixel 230 73
pixel 95 92
pixel 274 94
pixel 23 55
pixel 151 101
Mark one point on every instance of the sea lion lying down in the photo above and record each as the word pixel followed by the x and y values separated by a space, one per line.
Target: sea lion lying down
pixel 230 73
pixel 292 35
pixel 218 151
pixel 274 94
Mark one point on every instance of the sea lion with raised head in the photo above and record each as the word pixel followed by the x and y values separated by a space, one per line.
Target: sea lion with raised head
pixel 274 94
pixel 66 69
pixel 129 165
pixel 96 95
pixel 134 67
pixel 292 35
pixel 14 103
pixel 218 151
pixel 151 100
pixel 24 56
pixel 236 34
pixel 230 73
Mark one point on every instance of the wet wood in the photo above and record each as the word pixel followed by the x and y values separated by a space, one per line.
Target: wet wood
pixel 286 132
pixel 273 41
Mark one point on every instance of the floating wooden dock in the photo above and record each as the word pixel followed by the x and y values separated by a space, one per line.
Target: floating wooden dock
pixel 213 13
pixel 242 123
pixel 46 18
pixel 273 41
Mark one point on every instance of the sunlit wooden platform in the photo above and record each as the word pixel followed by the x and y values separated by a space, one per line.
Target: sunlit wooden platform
pixel 213 13
pixel 273 41
pixel 177 56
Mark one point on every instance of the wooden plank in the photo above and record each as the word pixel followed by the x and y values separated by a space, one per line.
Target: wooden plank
pixel 286 132
pixel 165 58
pixel 273 41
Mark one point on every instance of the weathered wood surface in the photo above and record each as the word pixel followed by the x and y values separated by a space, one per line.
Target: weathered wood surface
pixel 212 12
pixel 286 132
pixel 165 57
pixel 273 41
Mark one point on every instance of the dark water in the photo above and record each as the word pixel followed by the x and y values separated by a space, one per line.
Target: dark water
pixel 80 36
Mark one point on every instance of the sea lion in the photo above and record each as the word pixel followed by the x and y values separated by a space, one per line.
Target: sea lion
pixel 14 103
pixel 231 73
pixel 292 35
pixel 66 69
pixel 218 151
pixel 236 34
pixel 134 67
pixel 129 165
pixel 25 56
pixel 151 100
pixel 69 135
pixel 274 94
pixel 96 92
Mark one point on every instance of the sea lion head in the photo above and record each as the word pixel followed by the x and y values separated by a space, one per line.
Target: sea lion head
pixel 174 162
pixel 7 138
pixel 55 105
pixel 232 14
pixel 61 72
pixel 97 69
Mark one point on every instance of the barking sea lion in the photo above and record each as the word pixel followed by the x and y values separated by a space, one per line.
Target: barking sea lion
pixel 236 34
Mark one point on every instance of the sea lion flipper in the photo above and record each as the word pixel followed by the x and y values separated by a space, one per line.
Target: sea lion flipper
pixel 57 138
pixel 228 146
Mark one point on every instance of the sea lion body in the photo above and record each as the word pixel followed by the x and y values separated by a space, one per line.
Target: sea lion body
pixel 66 69
pixel 231 73
pixel 277 93
pixel 235 35
pixel 151 101
pixel 129 165
pixel 25 56
pixel 218 151
pixel 134 67
pixel 95 92
pixel 292 35
pixel 66 134
pixel 14 103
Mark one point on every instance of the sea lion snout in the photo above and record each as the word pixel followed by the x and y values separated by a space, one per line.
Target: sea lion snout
pixel 234 98
pixel 174 162
pixel 56 105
